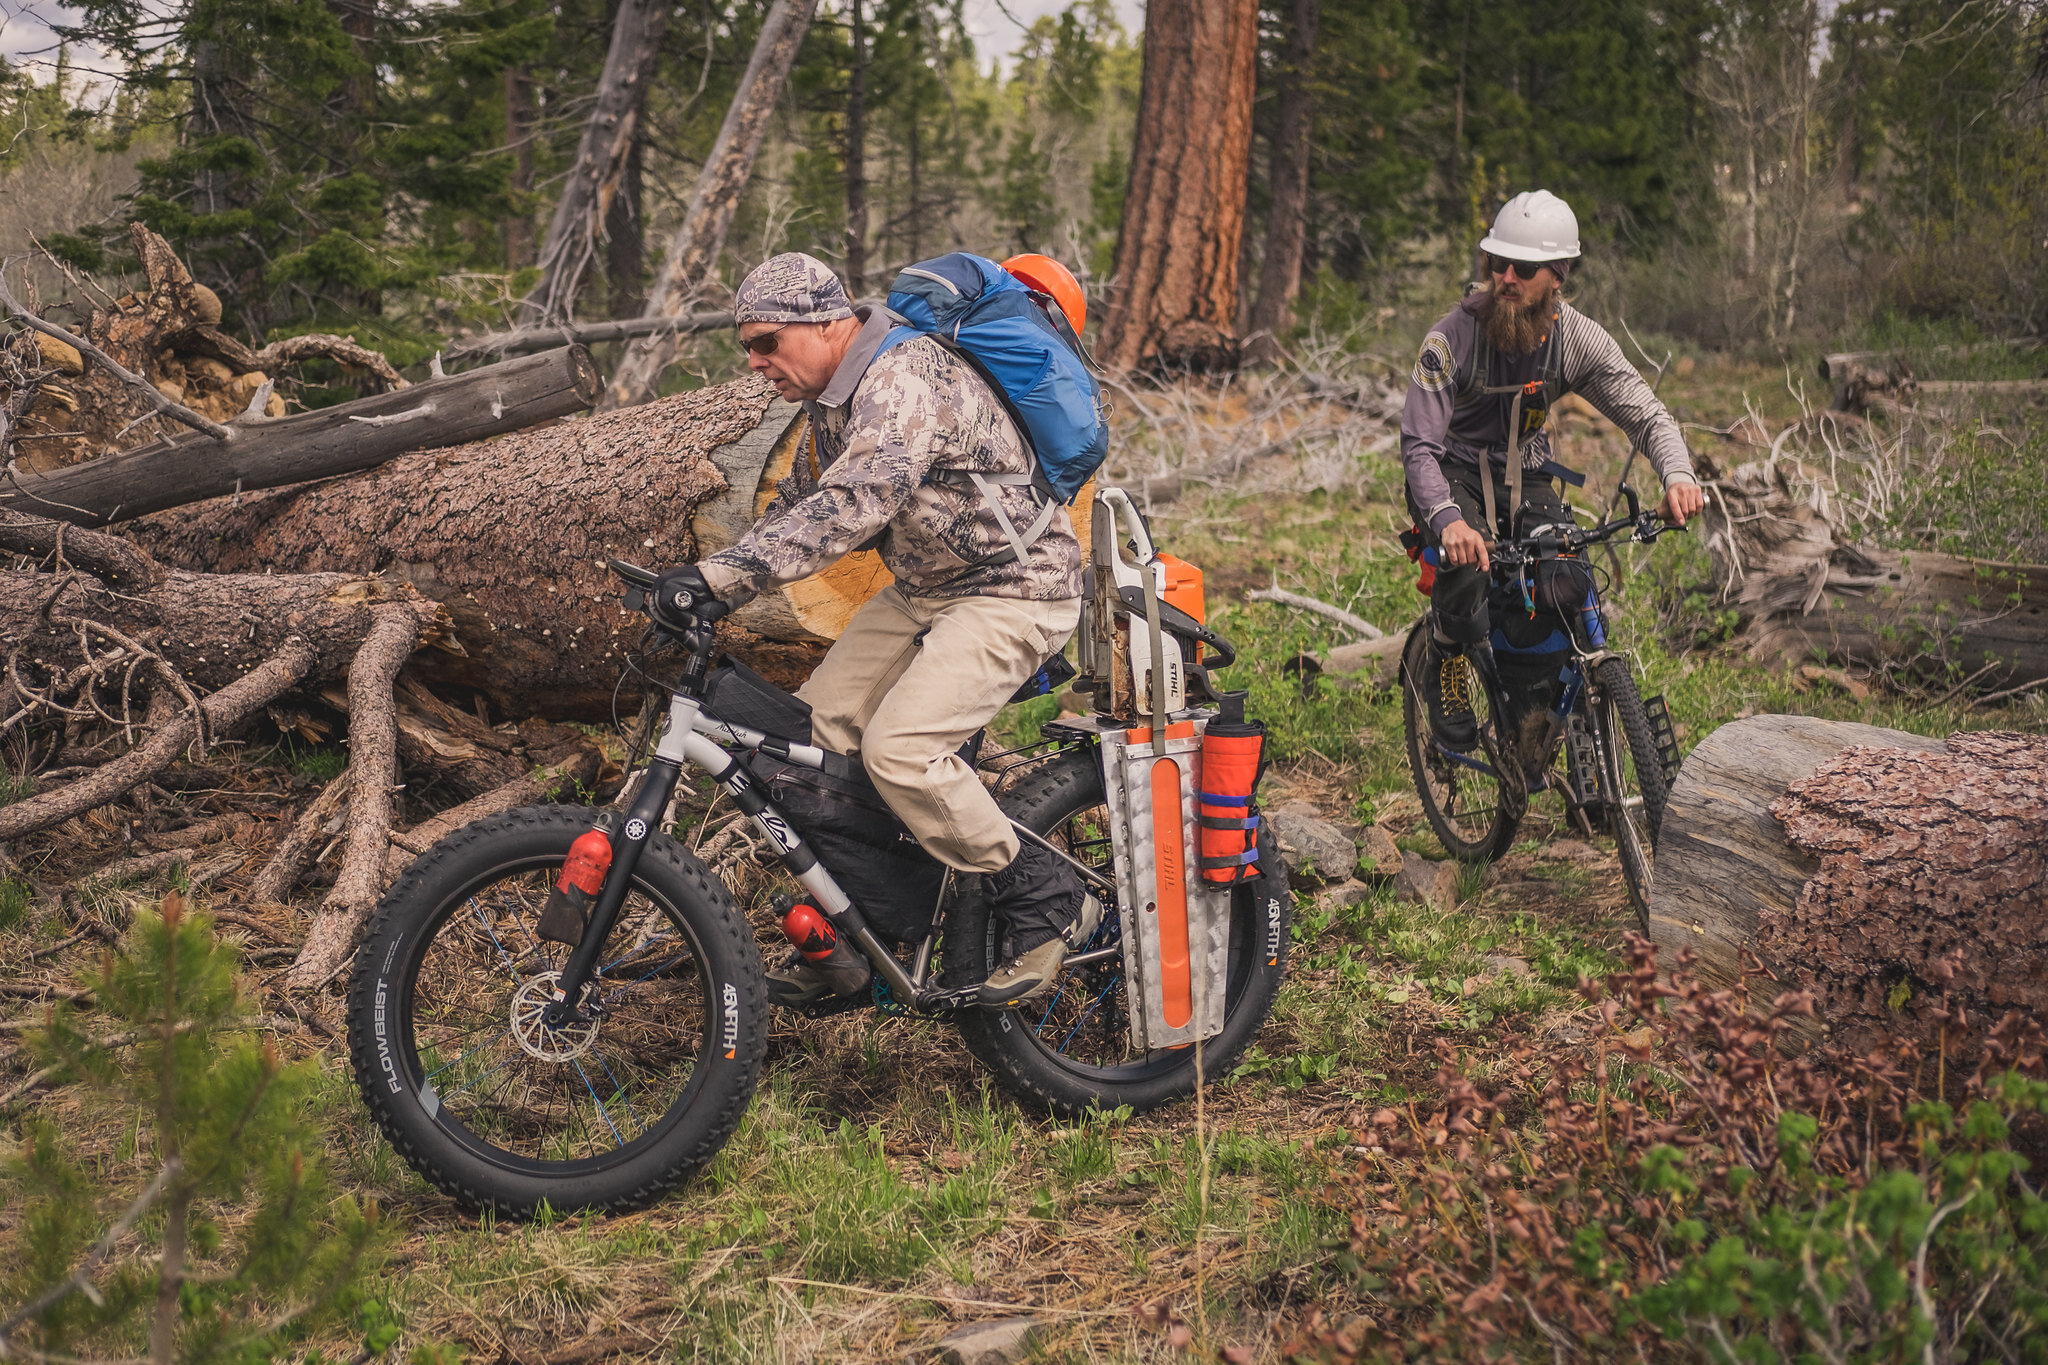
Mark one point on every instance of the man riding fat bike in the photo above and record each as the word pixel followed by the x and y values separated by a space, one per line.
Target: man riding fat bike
pixel 1473 444
pixel 913 455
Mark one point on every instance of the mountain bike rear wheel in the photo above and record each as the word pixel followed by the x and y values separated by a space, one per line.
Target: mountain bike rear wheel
pixel 1073 1052
pixel 1464 798
pixel 501 1111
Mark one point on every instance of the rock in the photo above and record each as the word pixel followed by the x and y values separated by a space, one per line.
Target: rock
pixel 1379 660
pixel 1317 852
pixel 1378 858
pixel 1428 883
pixel 1570 851
pixel 1350 894
pixel 1565 1033
pixel 61 355
pixel 1503 965
pixel 999 1341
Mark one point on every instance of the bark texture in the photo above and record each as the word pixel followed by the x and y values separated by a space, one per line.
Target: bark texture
pixel 511 536
pixel 1804 590
pixel 1287 219
pixel 701 236
pixel 601 158
pixel 1896 877
pixel 1173 305
pixel 1932 879
pixel 314 445
pixel 372 773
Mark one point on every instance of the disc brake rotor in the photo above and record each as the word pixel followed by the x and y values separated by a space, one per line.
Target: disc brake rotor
pixel 533 1033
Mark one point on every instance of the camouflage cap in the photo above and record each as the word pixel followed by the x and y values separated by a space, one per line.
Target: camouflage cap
pixel 792 287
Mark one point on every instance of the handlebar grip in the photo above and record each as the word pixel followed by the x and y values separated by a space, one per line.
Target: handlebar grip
pixel 1635 506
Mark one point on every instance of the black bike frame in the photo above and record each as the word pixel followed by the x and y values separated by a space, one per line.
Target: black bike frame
pixel 692 736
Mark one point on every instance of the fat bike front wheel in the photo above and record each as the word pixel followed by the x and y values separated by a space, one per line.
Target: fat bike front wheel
pixel 1072 1051
pixel 501 1111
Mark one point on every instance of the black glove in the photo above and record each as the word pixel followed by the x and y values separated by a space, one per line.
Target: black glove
pixel 681 598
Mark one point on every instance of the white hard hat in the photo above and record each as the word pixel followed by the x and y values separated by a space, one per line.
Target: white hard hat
pixel 1535 226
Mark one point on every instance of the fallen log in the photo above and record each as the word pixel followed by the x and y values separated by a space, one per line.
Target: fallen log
pixel 343 439
pixel 512 537
pixel 1806 592
pixel 1899 879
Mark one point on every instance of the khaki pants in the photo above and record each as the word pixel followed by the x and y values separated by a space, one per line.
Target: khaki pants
pixel 906 706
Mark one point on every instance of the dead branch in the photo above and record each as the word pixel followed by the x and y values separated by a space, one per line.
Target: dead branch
pixel 372 769
pixel 539 337
pixel 273 885
pixel 223 710
pixel 1358 625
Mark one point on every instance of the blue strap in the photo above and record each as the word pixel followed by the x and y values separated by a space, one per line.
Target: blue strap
pixel 1250 855
pixel 1212 799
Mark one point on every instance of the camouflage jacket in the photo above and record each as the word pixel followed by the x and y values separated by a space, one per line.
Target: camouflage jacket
pixel 882 426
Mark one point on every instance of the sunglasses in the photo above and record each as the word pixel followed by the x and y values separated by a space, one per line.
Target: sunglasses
pixel 1501 265
pixel 763 344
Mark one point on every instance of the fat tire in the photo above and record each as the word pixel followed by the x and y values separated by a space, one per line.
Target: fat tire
pixel 1624 704
pixel 689 1135
pixel 1507 817
pixel 1260 928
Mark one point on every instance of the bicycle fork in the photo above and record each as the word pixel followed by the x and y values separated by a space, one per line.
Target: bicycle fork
pixel 681 744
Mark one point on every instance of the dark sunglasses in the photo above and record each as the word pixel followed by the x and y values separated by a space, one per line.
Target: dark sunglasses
pixel 1501 265
pixel 763 344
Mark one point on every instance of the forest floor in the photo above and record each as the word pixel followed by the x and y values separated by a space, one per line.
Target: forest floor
pixel 881 1192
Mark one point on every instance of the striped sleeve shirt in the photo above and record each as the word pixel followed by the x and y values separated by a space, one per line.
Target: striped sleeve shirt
pixel 1445 416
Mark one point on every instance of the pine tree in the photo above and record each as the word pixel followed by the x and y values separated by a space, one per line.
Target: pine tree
pixel 222 1239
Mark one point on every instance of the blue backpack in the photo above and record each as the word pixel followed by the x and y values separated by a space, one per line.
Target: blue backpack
pixel 990 319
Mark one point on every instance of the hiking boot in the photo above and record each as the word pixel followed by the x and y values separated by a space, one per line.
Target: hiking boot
pixel 799 984
pixel 1447 688
pixel 1030 974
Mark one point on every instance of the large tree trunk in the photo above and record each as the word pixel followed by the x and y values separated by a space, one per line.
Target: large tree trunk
pixel 314 445
pixel 600 161
pixel 701 236
pixel 1287 219
pixel 512 536
pixel 1173 303
pixel 855 156
pixel 1875 868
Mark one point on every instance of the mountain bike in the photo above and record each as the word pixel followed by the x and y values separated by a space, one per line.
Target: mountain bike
pixel 513 1070
pixel 1555 687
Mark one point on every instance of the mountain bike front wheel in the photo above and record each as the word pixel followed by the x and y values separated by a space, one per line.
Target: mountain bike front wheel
pixel 500 1110
pixel 1473 812
pixel 1632 790
pixel 1073 1051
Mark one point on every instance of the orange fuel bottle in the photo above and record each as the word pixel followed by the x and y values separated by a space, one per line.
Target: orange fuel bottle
pixel 568 906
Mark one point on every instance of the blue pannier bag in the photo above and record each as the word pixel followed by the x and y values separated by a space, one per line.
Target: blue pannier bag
pixel 993 321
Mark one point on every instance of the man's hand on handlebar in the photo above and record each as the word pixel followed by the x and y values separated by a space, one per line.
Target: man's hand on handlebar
pixel 681 599
pixel 1682 501
pixel 1462 546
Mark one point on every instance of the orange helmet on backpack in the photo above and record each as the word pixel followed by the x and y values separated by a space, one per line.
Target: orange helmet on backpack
pixel 1048 276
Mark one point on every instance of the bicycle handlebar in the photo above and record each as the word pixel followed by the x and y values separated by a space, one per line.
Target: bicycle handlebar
pixel 1645 526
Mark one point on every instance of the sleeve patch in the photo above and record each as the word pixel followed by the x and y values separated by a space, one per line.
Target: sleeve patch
pixel 1434 370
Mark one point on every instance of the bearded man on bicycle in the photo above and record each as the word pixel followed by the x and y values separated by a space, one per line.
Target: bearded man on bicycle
pixel 1473 444
pixel 928 661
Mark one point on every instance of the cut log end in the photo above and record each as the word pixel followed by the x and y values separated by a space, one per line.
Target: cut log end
pixel 1897 878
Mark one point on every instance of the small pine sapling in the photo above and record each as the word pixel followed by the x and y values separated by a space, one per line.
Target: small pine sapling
pixel 212 1233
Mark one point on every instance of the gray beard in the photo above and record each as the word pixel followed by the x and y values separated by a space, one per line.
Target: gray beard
pixel 1515 330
